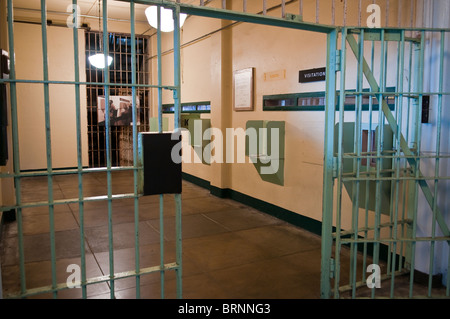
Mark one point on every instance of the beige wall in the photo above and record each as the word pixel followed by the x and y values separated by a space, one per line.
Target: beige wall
pixel 30 97
pixel 207 68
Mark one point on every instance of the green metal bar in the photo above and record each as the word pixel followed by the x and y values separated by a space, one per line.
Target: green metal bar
pixel 340 167
pixel 376 251
pixel 327 197
pixel 160 129
pixel 159 54
pixel 94 280
pixel 79 153
pixel 366 228
pixel 48 142
pixel 356 165
pixel 177 126
pixel 165 87
pixel 413 192
pixel 437 162
pixel 406 210
pixel 396 163
pixel 391 240
pixel 368 159
pixel 404 164
pixel 108 147
pixel 69 201
pixel 15 139
pixel 135 150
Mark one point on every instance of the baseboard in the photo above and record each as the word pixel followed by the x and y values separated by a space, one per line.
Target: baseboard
pixel 423 279
pixel 54 169
pixel 6 217
pixel 291 217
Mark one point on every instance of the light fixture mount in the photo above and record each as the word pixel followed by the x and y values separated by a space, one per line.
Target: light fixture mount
pixel 98 59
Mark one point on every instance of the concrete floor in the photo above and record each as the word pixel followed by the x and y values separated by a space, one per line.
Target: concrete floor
pixel 230 251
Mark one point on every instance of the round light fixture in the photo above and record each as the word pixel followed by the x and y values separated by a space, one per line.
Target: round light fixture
pixel 167 24
pixel 98 60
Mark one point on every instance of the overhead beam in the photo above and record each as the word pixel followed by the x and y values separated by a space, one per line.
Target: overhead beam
pixel 209 12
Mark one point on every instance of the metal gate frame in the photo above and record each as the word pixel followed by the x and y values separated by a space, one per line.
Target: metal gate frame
pixel 405 156
pixel 335 62
pixel 17 175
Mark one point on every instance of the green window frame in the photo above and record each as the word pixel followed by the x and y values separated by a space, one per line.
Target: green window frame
pixel 191 107
pixel 315 101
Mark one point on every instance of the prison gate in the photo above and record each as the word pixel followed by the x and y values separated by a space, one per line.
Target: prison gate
pixel 380 179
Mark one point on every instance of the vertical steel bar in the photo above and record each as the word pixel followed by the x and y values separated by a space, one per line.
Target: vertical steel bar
pixel 177 126
pixel 396 162
pixel 370 135
pixel 244 5
pixel 416 145
pixel 108 146
pixel 437 161
pixel 160 129
pixel 340 160
pixel 79 150
pixel 327 197
pixel 264 7
pixel 376 250
pixel 357 163
pixel 283 8
pixel 15 140
pixel 405 209
pixel 135 149
pixel 48 143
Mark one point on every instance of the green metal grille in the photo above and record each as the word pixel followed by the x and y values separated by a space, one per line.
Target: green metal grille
pixel 107 84
pixel 382 181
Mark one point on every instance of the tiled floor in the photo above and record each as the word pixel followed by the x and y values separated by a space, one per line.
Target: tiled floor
pixel 229 250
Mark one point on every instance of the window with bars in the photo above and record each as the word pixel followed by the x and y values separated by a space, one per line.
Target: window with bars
pixel 120 97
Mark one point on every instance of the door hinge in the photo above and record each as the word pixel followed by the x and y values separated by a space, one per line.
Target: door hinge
pixel 335 167
pixel 338 60
pixel 332 268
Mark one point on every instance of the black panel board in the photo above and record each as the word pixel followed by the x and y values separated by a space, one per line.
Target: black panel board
pixel 162 175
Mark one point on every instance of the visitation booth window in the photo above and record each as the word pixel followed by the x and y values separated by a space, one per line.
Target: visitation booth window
pixel 193 107
pixel 315 101
pixel 120 98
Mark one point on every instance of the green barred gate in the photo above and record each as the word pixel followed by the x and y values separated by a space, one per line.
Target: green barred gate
pixel 385 179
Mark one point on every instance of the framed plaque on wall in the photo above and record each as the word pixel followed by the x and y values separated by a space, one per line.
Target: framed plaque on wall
pixel 243 90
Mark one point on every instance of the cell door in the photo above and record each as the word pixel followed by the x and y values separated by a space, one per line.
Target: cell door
pixel 385 229
pixel 105 204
